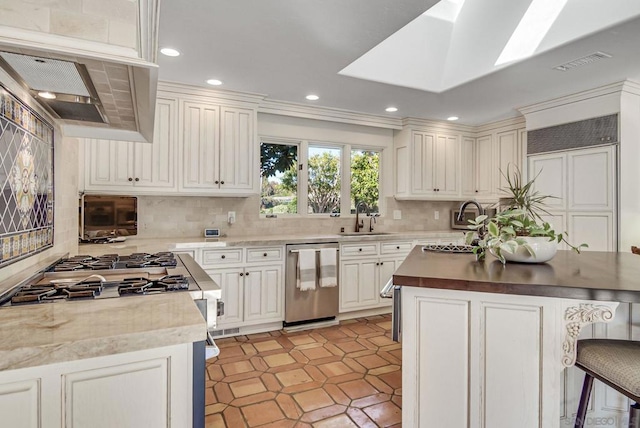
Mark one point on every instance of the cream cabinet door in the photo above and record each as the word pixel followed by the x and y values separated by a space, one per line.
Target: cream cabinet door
pixel 108 165
pixel 97 397
pixel 238 150
pixel 508 155
pixel 477 167
pixel 155 164
pixel 592 179
pixel 445 165
pixel 358 285
pixel 20 404
pixel 231 282
pixel 423 178
pixel 484 166
pixel 134 167
pixel 200 135
pixel 263 294
pixel 550 173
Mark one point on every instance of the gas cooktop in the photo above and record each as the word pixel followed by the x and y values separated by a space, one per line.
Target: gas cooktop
pixel 115 261
pixel 111 275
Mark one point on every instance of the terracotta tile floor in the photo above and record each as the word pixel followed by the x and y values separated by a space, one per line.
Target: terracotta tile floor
pixel 347 375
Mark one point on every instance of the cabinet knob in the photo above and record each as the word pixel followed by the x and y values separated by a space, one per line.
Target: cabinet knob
pixel 476 191
pixel 223 256
pixel 264 254
pixel 137 179
pixel 359 249
pixel 222 182
pixel 398 247
pixel 130 179
pixel 241 274
pixel 247 274
pixel 377 264
pixel 216 182
pixel 435 190
pixel 381 263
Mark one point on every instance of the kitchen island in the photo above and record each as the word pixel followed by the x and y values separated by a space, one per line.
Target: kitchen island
pixel 103 363
pixel 485 345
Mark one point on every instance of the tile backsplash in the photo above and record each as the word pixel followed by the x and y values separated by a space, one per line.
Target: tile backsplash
pixel 160 216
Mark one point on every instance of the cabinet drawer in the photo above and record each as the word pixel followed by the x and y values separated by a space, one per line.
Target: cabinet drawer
pixel 396 247
pixel 363 249
pixel 221 257
pixel 264 254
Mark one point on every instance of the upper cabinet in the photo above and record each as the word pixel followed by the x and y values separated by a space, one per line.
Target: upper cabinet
pixel 219 150
pixel 477 172
pixel 457 163
pixel 122 166
pixel 200 147
pixel 427 166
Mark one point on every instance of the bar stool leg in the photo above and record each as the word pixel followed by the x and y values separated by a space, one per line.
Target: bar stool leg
pixel 584 401
pixel 634 416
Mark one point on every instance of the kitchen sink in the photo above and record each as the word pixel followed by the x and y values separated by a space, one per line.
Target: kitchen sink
pixel 364 233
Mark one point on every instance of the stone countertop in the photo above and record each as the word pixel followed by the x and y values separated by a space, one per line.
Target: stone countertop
pixel 43 334
pixel 604 276
pixel 153 245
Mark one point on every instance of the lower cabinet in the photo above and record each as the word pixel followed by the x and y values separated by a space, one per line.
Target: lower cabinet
pixel 252 291
pixel 364 270
pixel 250 295
pixel 150 388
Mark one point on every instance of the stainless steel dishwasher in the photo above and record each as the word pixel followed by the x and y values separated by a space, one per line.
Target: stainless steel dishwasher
pixel 320 304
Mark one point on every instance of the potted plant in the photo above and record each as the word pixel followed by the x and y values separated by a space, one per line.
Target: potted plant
pixel 517 232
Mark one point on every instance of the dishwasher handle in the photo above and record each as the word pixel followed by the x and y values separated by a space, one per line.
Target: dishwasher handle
pixel 387 290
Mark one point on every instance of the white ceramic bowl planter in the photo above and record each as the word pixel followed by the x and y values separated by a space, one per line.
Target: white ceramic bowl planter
pixel 543 248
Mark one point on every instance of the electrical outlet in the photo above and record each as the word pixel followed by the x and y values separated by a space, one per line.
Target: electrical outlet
pixel 436 215
pixel 231 217
pixel 397 215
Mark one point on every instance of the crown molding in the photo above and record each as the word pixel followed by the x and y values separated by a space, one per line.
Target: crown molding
pixel 514 122
pixel 414 122
pixel 612 88
pixel 284 108
pixel 200 93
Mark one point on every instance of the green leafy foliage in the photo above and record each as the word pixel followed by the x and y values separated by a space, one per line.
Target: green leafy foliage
pixel 522 217
pixel 365 167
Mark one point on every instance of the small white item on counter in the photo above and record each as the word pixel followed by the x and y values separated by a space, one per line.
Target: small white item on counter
pixel 306 270
pixel 328 267
pixel 118 239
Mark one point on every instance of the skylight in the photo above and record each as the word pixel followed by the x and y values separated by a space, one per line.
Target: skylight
pixel 533 27
pixel 458 41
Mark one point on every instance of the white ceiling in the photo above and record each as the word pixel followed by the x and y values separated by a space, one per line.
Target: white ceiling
pixel 286 49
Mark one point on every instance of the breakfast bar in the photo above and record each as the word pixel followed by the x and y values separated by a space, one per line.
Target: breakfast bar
pixel 486 344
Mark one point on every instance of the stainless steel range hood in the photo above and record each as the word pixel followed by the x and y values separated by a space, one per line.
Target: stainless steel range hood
pixel 64 88
pixel 93 98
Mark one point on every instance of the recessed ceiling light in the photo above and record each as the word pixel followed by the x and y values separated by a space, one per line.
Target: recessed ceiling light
pixel 169 52
pixel 312 97
pixel 47 95
pixel 453 118
pixel 214 82
pixel 391 109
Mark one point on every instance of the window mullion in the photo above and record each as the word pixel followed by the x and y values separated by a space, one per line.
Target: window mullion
pixel 345 184
pixel 303 178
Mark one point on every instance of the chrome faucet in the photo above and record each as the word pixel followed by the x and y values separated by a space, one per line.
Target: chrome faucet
pixel 360 223
pixel 482 231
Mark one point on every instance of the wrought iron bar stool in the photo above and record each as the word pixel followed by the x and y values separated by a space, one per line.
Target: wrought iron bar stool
pixel 615 363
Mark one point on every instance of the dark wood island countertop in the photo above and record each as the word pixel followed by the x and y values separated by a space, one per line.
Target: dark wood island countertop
pixel 605 276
